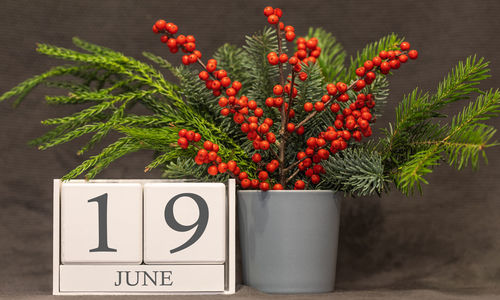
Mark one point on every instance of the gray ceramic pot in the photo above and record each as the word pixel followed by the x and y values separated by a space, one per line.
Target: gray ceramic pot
pixel 289 240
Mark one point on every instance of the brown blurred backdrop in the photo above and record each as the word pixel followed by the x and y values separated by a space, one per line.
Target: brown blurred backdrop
pixel 447 239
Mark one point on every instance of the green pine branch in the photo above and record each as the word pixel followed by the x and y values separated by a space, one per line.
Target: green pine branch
pixel 356 171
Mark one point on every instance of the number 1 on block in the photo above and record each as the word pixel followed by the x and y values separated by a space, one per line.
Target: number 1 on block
pixel 101 223
pixel 184 223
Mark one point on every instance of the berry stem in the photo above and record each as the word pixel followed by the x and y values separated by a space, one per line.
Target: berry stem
pixel 282 132
pixel 292 176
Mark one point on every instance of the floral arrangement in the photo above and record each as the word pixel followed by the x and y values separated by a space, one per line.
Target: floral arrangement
pixel 270 117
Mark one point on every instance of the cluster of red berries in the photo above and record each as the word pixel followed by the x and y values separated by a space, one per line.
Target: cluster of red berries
pixel 207 153
pixel 351 123
pixel 185 43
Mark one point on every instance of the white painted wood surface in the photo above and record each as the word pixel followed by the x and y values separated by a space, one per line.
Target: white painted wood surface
pixel 222 278
pixel 80 223
pixel 161 240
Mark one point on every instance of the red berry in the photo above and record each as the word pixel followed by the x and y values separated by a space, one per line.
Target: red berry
pixel 277 186
pixel 300 185
pixel 208 145
pixel 395 64
pixel 331 89
pixel 368 65
pixel 236 85
pixel 211 67
pixel 273 59
pixel 360 71
pixel 278 90
pixel 270 102
pixel 278 12
pixel 160 24
pixel 164 39
pixel 190 47
pixel 264 145
pixel 383 54
pixel 341 87
pixel 192 58
pixel 155 29
pixel 404 46
pixel 367 116
pixel 293 60
pixel 223 101
pixel 216 84
pixel 225 81
pixel 290 127
pixel 222 167
pixel 278 102
pixel 363 124
pixel 319 106
pixel 300 130
pixel 181 39
pixel 185 60
pixel 256 157
pixel 203 75
pixel 413 54
pixel 385 67
pixel 263 175
pixel 312 43
pixel 271 138
pixel 230 92
pixel 245 183
pixel 403 58
pixel 377 61
pixel 343 98
pixel 212 170
pixel 283 58
pixel 190 135
pixel 264 186
pixel 268 10
pixel 335 107
pixel 303 76
pixel 290 36
pixel 183 142
pixel 190 39
pixel 197 137
pixel 258 112
pixel 360 84
pixel 182 133
pixel 315 179
pixel 273 19
pixel 255 183
pixel 370 76
pixel 308 106
pixel 172 29
pixel 311 142
pixel 270 167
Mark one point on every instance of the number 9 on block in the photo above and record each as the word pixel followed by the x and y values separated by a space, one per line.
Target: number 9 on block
pixel 184 223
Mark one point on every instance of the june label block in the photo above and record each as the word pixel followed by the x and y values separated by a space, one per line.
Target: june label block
pixel 184 223
pixel 101 223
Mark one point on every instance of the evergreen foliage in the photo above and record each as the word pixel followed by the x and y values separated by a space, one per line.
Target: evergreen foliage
pixel 107 84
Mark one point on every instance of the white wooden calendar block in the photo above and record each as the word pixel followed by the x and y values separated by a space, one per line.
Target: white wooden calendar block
pixel 184 223
pixel 101 223
pixel 108 214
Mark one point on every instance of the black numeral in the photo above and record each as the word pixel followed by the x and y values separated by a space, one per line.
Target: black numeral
pixel 102 203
